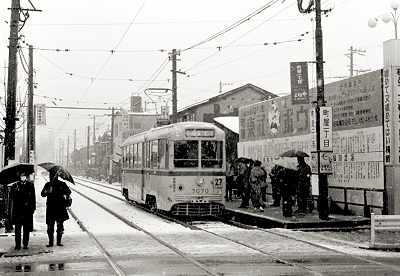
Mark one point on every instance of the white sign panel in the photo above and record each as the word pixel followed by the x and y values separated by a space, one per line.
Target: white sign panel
pixel 387 115
pixel 325 162
pixel 313 129
pixel 326 128
pixel 40 114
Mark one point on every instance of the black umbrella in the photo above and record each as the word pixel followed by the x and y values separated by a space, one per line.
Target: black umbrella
pixel 57 170
pixel 294 153
pixel 244 160
pixel 11 172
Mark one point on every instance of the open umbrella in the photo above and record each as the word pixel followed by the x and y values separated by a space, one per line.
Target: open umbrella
pixel 294 153
pixel 11 172
pixel 243 160
pixel 57 169
pixel 288 163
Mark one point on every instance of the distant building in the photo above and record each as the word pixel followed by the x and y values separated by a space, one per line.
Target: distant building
pixel 130 123
pixel 224 104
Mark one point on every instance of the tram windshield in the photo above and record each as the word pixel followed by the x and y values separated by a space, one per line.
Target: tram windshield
pixel 186 154
pixel 211 154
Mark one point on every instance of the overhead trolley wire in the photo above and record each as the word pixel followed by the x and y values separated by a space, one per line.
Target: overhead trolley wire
pixel 233 26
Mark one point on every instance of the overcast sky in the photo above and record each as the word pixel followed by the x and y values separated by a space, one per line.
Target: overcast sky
pixel 142 32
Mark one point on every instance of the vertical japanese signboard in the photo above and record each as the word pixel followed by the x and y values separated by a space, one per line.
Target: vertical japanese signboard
pixel 326 128
pixel 396 112
pixel 299 82
pixel 40 114
pixel 313 129
pixel 387 115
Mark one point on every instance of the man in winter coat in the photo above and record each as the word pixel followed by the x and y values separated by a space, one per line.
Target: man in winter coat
pixel 276 183
pixel 56 192
pixel 23 205
pixel 303 185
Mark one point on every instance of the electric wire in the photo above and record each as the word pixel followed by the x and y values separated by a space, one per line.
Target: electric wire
pixel 238 38
pixel 233 26
pixel 111 54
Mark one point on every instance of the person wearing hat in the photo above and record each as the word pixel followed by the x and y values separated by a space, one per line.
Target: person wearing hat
pixel 23 205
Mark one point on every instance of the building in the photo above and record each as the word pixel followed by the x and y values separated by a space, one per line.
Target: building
pixel 224 104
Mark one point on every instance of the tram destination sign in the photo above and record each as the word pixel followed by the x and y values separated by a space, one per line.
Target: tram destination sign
pixel 194 132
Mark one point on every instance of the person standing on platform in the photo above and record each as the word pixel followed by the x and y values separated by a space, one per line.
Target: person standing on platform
pixel 244 175
pixel 230 174
pixel 23 205
pixel 276 183
pixel 303 185
pixel 57 193
pixel 257 176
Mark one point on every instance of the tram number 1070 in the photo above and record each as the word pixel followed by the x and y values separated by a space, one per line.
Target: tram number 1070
pixel 200 191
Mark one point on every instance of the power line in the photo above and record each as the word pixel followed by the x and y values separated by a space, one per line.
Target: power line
pixel 234 25
pixel 238 38
pixel 116 46
pixel 80 76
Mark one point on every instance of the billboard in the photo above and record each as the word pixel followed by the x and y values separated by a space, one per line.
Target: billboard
pixel 299 82
pixel 269 128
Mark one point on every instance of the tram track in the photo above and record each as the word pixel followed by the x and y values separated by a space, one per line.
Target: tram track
pixel 281 235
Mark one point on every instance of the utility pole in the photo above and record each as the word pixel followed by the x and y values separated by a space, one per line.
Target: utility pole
pixel 94 129
pixel 174 88
pixel 87 146
pixel 75 148
pixel 30 122
pixel 110 173
pixel 9 131
pixel 350 55
pixel 67 151
pixel 323 209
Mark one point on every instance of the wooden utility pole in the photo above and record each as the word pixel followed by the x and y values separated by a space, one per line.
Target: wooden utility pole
pixel 323 210
pixel 110 173
pixel 30 122
pixel 174 88
pixel 75 148
pixel 68 151
pixel 87 146
pixel 9 131
pixel 94 129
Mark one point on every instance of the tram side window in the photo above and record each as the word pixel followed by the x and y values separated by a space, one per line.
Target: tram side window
pixel 186 154
pixel 134 153
pixel 132 156
pixel 139 155
pixel 161 153
pixel 131 159
pixel 147 154
pixel 123 157
pixel 211 154
pixel 154 154
pixel 129 156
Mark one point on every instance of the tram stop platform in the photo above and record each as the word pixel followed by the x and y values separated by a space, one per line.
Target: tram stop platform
pixel 272 217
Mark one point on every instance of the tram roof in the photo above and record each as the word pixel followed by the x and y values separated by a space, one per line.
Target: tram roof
pixel 175 131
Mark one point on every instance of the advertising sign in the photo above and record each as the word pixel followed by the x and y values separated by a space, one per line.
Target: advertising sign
pixel 387 115
pixel 325 162
pixel 326 128
pixel 40 114
pixel 299 82
pixel 396 113
pixel 313 129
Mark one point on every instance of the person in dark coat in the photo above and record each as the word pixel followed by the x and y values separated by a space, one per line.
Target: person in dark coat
pixel 303 185
pixel 257 176
pixel 276 183
pixel 23 205
pixel 56 192
pixel 230 174
pixel 287 188
pixel 244 182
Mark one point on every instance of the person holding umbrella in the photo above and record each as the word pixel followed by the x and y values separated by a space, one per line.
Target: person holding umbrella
pixel 57 193
pixel 23 205
pixel 303 186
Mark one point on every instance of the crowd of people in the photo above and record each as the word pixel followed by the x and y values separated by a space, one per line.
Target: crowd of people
pixel 289 186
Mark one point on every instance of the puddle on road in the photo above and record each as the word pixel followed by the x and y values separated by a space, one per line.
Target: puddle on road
pixel 52 267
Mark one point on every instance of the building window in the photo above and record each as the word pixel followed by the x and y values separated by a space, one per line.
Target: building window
pixel 216 108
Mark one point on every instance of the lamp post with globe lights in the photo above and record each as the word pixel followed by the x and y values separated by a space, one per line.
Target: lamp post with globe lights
pixel 386 18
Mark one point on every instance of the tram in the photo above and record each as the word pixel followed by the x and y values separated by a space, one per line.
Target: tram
pixel 177 168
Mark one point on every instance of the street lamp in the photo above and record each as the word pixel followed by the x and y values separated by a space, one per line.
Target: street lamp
pixel 386 18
